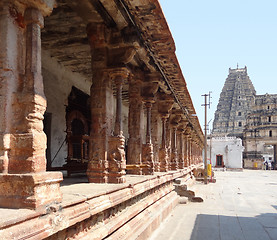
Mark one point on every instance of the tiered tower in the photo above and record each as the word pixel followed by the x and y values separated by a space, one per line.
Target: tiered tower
pixel 235 102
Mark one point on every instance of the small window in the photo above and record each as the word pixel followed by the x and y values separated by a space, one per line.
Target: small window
pixel 239 97
pixel 270 133
pixel 239 103
pixel 269 119
pixel 240 124
pixel 239 113
pixel 268 107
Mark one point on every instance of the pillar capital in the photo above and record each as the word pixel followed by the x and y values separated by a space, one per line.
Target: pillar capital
pixel 119 75
pixel 182 125
pixel 176 117
pixel 149 89
pixel 165 104
pixel 44 6
pixel 33 15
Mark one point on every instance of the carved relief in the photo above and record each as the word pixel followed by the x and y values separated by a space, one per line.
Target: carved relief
pixel 116 160
pixel 148 159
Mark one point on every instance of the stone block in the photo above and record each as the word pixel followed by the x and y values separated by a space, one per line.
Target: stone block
pixel 31 190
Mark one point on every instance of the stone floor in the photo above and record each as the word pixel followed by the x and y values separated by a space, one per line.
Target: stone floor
pixel 240 205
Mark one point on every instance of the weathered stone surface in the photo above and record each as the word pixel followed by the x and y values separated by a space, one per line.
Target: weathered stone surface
pixel 30 190
pixel 148 158
pixel 116 160
pixel 134 154
pixel 237 96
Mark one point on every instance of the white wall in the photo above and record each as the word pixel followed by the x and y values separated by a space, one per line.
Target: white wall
pixel 229 147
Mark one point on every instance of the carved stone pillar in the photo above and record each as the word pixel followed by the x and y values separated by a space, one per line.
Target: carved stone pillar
pixel 168 138
pixel 24 181
pixel 181 144
pixel 165 104
pixel 186 150
pixel 193 152
pixel 101 106
pixel 189 151
pixel 9 74
pixel 155 118
pixel 116 154
pixel 174 154
pixel 163 156
pixel 134 124
pixel 149 89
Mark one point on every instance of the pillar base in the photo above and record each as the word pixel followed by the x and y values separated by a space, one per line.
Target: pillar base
pixel 134 171
pixel 163 157
pixel 31 190
pixel 174 161
pixel 134 155
pixel 148 158
pixel 181 163
pixel 97 176
pixel 117 177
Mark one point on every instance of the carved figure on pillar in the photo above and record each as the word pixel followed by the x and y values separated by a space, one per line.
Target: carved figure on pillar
pixel 24 181
pixel 116 153
pixel 165 104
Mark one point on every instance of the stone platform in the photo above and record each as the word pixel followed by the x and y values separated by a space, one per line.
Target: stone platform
pixel 95 211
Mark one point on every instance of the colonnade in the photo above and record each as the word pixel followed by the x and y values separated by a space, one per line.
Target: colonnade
pixel 23 178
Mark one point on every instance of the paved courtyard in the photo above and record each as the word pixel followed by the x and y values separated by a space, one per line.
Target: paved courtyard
pixel 240 205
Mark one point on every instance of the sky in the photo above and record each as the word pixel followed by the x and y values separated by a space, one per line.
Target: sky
pixel 213 35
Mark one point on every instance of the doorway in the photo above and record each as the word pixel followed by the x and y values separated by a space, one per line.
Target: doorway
pixel 219 161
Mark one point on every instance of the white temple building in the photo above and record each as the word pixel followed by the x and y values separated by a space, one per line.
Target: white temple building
pixel 225 152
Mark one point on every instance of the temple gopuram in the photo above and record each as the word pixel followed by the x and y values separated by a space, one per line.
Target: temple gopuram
pixel 96 119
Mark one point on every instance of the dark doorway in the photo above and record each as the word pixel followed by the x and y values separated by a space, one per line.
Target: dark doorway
pixel 219 160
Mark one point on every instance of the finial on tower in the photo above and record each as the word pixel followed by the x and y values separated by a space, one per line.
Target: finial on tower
pixel 237 65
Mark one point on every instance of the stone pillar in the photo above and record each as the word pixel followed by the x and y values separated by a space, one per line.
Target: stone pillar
pixel 107 149
pixel 180 149
pixel 189 151
pixel 186 150
pixel 10 36
pixel 101 125
pixel 134 124
pixel 101 99
pixel 147 148
pixel 155 118
pixel 150 87
pixel 165 104
pixel 174 153
pixel 116 153
pixel 163 156
pixel 193 153
pixel 181 152
pixel 25 182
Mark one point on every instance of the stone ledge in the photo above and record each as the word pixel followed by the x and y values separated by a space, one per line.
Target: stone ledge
pixel 82 202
